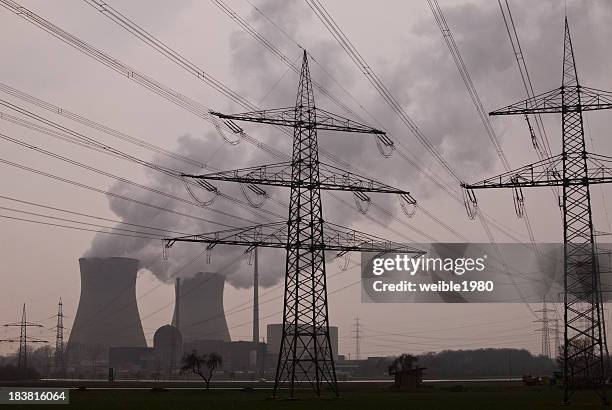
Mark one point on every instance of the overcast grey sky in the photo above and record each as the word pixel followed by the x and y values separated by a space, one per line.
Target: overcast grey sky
pixel 403 45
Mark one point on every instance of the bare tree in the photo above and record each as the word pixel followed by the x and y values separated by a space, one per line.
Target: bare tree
pixel 204 365
pixel 402 363
pixel 581 355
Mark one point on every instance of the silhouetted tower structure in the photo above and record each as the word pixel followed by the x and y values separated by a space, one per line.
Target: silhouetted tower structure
pixel 59 337
pixel 177 304
pixel 305 355
pixel 357 339
pixel 255 296
pixel 585 350
pixel 557 338
pixel 545 329
pixel 22 355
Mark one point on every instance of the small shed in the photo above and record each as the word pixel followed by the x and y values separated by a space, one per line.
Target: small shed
pixel 409 379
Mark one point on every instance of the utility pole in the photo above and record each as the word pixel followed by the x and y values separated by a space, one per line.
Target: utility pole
pixel 357 341
pixel 305 356
pixel 583 315
pixel 22 355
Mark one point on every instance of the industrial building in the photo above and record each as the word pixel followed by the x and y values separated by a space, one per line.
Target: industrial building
pixel 275 331
pixel 108 322
pixel 168 348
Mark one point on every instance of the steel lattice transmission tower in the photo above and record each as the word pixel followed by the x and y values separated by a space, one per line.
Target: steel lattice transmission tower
pixel 585 350
pixel 545 329
pixel 255 296
pixel 59 338
pixel 357 341
pixel 22 355
pixel 305 356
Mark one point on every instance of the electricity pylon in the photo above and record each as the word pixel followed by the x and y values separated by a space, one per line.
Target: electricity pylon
pixel 585 349
pixel 255 296
pixel 22 355
pixel 305 356
pixel 357 341
pixel 545 329
pixel 59 338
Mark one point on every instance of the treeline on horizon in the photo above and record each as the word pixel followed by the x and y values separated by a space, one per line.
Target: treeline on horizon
pixel 446 364
pixel 483 363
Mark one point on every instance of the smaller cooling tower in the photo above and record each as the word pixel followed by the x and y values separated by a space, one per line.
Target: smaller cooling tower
pixel 200 303
pixel 108 313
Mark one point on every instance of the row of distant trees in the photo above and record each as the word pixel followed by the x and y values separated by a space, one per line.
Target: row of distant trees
pixel 494 362
pixel 445 364
pixel 482 363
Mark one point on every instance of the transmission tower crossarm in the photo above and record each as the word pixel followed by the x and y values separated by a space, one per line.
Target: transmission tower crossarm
pixel 286 117
pixel 545 173
pixel 342 239
pixel 330 178
pixel 24 323
pixel 28 339
pixel 335 238
pixel 591 99
pixel 272 235
pixel 541 173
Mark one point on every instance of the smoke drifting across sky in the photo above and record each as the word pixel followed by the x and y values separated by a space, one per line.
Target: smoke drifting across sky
pixel 430 91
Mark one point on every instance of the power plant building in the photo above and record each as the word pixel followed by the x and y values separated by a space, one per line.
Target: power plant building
pixel 275 332
pixel 168 347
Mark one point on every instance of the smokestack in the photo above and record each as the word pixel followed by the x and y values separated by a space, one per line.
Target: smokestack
pixel 108 313
pixel 255 298
pixel 200 306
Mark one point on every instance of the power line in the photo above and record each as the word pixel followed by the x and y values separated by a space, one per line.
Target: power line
pixel 101 191
pixel 76 228
pixel 132 74
pixel 473 93
pixel 68 135
pixel 84 214
pixel 133 28
pixel 397 108
pixel 138 77
pixel 351 50
pixel 407 156
pixel 545 151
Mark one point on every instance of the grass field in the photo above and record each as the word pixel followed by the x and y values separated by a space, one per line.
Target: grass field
pixel 439 398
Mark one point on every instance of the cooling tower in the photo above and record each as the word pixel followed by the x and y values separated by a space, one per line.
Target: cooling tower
pixel 200 303
pixel 107 315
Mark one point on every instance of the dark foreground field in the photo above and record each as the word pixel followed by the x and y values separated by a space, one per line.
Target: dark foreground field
pixel 443 398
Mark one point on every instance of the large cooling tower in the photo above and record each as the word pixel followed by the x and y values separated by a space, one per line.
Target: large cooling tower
pixel 200 308
pixel 108 313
